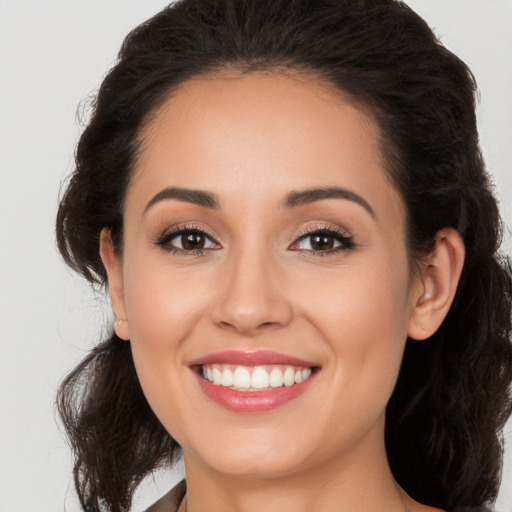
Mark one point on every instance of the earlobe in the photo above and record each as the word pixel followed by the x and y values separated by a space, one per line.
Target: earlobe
pixel 436 286
pixel 115 283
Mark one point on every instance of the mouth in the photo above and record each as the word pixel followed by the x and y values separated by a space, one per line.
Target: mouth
pixel 253 381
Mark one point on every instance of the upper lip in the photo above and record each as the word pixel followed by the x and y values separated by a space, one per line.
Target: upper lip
pixel 246 358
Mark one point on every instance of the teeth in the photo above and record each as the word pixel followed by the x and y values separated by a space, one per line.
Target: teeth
pixel 276 378
pixel 217 376
pixel 227 378
pixel 243 378
pixel 259 378
pixel 289 377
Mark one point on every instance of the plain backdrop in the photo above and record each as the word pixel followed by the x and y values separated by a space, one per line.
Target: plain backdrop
pixel 53 54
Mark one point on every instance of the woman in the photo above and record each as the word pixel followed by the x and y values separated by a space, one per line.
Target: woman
pixel 288 204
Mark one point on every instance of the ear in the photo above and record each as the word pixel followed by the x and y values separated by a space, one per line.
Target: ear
pixel 435 288
pixel 115 283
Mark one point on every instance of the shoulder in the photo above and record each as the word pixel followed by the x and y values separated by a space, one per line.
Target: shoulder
pixel 170 502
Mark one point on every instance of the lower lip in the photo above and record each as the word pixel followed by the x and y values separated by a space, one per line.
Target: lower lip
pixel 252 401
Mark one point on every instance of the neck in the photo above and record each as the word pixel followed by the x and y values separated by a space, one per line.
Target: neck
pixel 359 481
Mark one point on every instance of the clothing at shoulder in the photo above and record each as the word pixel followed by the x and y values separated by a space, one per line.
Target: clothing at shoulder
pixel 472 509
pixel 170 502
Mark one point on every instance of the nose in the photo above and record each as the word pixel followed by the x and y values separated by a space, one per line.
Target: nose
pixel 251 297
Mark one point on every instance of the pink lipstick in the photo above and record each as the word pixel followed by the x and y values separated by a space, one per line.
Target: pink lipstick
pixel 244 358
pixel 242 381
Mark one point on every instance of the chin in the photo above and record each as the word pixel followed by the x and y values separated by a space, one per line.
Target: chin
pixel 263 459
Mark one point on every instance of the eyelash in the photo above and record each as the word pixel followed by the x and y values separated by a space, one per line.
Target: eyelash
pixel 346 241
pixel 165 239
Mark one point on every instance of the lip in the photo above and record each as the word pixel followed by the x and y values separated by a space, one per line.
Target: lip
pixel 246 358
pixel 251 401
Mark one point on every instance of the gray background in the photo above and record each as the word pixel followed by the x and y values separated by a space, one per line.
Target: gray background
pixel 53 54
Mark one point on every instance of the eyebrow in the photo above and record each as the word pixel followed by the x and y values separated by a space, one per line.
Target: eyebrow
pixel 293 199
pixel 187 195
pixel 305 197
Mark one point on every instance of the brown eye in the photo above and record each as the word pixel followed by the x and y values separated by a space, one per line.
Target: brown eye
pixel 190 241
pixel 187 240
pixel 322 242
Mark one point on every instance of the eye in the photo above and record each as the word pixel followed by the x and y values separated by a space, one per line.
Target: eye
pixel 323 240
pixel 187 240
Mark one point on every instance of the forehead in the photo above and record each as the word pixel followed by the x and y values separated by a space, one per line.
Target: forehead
pixel 260 133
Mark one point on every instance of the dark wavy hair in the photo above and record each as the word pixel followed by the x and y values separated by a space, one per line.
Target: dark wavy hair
pixel 445 418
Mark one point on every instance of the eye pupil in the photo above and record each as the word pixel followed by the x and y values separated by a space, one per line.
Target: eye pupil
pixel 322 242
pixel 192 241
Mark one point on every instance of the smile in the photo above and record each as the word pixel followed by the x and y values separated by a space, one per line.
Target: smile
pixel 253 382
pixel 244 378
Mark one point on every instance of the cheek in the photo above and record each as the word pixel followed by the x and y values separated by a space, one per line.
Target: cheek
pixel 162 305
pixel 163 308
pixel 364 300
pixel 363 318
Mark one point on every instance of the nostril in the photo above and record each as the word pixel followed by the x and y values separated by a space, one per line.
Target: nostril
pixel 248 328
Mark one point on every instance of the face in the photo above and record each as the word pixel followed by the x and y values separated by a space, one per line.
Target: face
pixel 264 245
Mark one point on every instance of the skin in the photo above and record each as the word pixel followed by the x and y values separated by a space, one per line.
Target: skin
pixel 251 140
